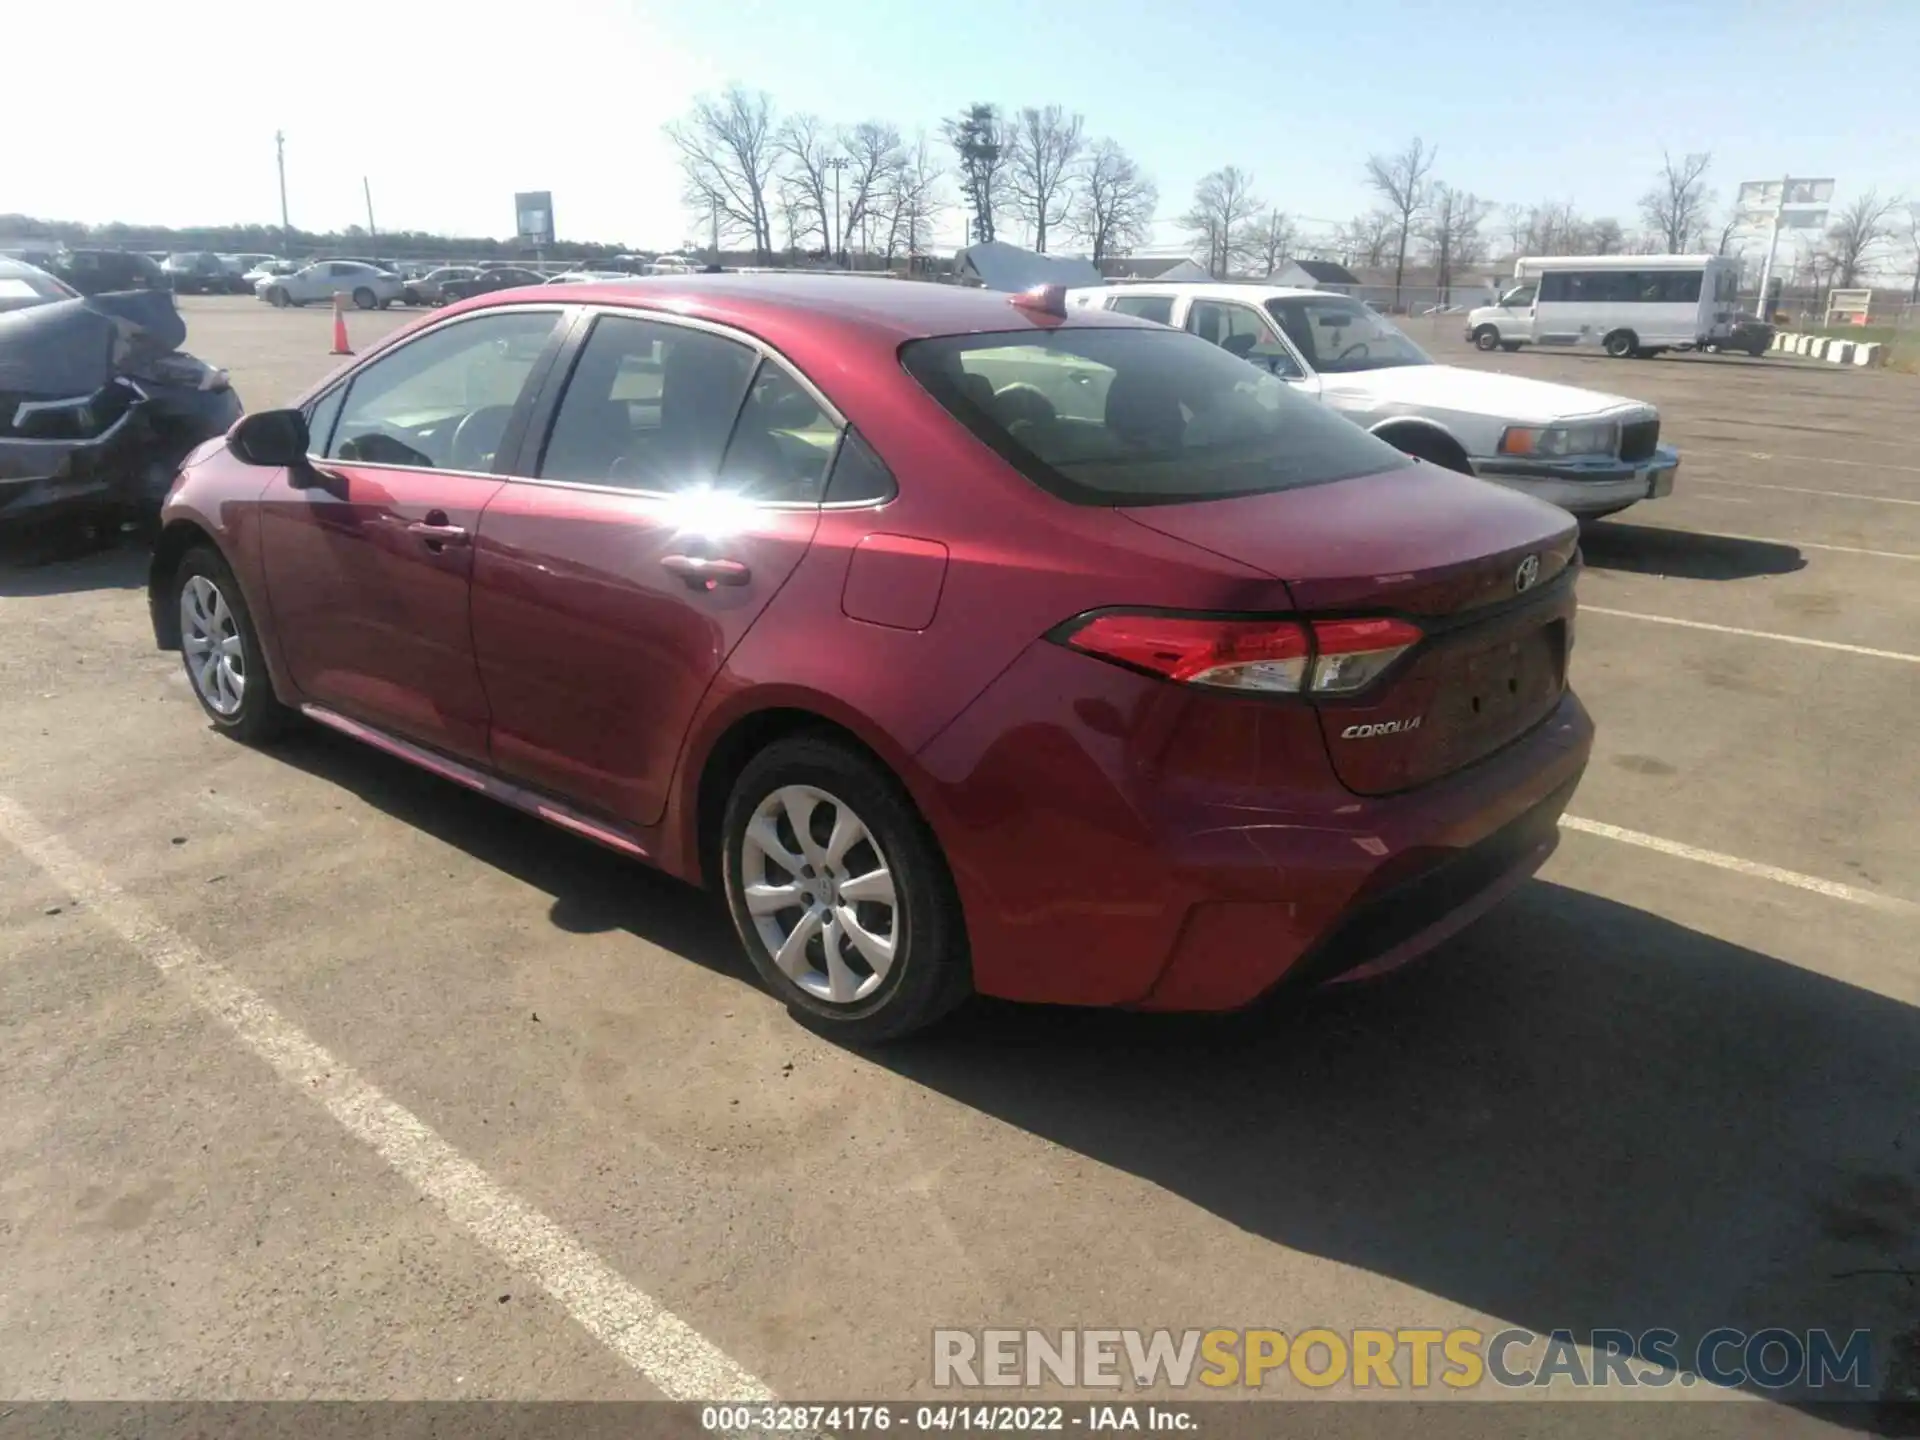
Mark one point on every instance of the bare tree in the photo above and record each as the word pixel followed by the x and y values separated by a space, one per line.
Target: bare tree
pixel 1046 143
pixel 1605 237
pixel 1856 235
pixel 1555 227
pixel 983 144
pixel 915 202
pixel 728 157
pixel 1913 244
pixel 1223 203
pixel 1676 207
pixel 1516 221
pixel 1114 208
pixel 1273 240
pixel 1365 239
pixel 873 153
pixel 1401 182
pixel 806 145
pixel 1453 233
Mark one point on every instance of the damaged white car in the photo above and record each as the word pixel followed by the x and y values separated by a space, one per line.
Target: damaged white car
pixel 1585 451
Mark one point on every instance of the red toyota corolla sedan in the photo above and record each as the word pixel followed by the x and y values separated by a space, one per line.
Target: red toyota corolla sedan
pixel 968 645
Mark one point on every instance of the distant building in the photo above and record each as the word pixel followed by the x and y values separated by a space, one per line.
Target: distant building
pixel 997 265
pixel 1154 267
pixel 1315 275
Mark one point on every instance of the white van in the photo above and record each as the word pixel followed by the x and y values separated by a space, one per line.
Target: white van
pixel 1634 305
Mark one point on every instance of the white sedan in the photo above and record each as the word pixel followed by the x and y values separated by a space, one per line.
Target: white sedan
pixel 1587 452
pixel 365 285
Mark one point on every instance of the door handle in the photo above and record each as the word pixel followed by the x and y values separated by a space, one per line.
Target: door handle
pixel 437 537
pixel 702 572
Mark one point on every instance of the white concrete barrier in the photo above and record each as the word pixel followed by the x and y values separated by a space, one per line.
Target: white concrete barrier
pixel 1832 349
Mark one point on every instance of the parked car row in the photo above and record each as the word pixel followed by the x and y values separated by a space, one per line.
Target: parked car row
pixel 1178 632
pixel 367 285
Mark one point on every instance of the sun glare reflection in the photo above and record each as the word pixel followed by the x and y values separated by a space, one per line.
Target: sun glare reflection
pixel 709 514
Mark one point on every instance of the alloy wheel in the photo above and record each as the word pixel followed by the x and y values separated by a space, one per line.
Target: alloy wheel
pixel 215 653
pixel 820 893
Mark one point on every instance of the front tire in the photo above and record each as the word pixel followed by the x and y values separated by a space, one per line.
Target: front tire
pixel 363 298
pixel 278 297
pixel 221 650
pixel 1486 338
pixel 840 894
pixel 1621 344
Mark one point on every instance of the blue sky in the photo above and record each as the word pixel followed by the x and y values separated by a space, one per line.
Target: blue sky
pixel 447 120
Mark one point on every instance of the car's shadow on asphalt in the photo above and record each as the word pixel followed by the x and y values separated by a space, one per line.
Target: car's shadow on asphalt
pixel 32 565
pixel 1575 1115
pixel 593 889
pixel 1686 554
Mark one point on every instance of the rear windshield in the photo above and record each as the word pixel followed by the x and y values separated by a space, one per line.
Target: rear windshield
pixel 1146 416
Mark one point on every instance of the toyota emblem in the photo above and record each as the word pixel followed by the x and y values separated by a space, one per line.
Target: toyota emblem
pixel 1527 576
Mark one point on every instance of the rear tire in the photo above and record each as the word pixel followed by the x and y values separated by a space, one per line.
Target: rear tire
pixel 363 298
pixel 1621 343
pixel 910 965
pixel 226 667
pixel 1486 338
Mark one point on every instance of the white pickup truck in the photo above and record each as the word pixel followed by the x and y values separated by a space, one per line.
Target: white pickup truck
pixel 1585 451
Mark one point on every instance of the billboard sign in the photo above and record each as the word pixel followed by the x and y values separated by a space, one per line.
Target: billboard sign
pixel 1770 195
pixel 533 218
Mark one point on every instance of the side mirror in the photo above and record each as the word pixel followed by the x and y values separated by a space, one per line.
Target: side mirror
pixel 270 437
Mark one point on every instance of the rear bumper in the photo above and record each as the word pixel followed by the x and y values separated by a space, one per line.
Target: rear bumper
pixel 1398 879
pixel 1114 843
pixel 1585 486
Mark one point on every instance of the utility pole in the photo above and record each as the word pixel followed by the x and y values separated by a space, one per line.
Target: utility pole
pixel 373 239
pixel 713 204
pixel 280 158
pixel 837 164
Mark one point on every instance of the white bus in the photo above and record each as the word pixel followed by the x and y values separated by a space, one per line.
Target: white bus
pixel 1633 305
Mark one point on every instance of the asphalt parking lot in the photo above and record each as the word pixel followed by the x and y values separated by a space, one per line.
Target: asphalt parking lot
pixel 320 1077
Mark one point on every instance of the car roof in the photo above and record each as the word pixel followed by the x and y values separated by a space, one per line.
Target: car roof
pixel 889 310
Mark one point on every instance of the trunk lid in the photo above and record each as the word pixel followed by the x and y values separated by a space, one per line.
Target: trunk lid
pixel 1442 549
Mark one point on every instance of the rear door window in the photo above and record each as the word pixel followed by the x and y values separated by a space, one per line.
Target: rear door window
pixel 1102 416
pixel 782 444
pixel 649 406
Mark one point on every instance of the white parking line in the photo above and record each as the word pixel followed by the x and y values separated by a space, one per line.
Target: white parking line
pixel 1803 490
pixel 1833 889
pixel 673 1356
pixel 1813 460
pixel 1754 634
pixel 1813 545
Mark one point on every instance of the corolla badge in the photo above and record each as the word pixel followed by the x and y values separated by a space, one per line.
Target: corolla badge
pixel 1381 727
pixel 1527 576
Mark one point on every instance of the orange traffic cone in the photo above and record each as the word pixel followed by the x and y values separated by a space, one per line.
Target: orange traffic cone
pixel 340 345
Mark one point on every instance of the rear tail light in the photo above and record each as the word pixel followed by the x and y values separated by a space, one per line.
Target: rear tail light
pixel 1320 657
pixel 1355 653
